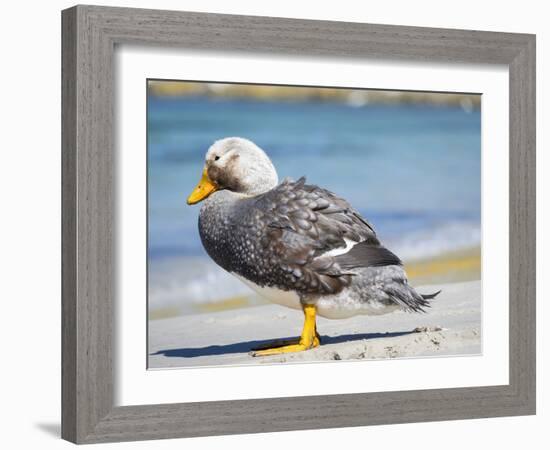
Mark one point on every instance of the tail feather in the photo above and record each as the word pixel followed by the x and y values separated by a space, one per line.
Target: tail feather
pixel 407 298
pixel 430 296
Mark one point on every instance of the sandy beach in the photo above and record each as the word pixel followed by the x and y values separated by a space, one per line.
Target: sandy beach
pixel 452 326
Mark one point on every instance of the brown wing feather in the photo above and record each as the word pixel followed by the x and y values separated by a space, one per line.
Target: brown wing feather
pixel 302 222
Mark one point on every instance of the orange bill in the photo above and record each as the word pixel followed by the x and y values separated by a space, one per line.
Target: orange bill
pixel 205 187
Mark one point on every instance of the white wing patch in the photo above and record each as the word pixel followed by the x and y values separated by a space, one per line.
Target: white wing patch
pixel 340 250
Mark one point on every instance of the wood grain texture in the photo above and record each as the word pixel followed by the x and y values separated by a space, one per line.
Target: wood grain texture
pixel 89 37
pixel 522 282
pixel 88 208
pixel 68 225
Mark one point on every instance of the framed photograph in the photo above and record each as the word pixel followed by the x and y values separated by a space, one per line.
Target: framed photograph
pixel 278 224
pixel 426 208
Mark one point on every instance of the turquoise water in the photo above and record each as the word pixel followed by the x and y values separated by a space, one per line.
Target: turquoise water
pixel 412 170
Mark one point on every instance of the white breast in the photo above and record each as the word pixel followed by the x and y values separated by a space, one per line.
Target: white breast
pixel 284 298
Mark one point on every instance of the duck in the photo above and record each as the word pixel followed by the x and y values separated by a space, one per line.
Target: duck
pixel 296 244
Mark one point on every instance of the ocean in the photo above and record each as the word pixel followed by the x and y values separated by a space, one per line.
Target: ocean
pixel 414 171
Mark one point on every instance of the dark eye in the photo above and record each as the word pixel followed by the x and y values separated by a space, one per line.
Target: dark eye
pixel 216 158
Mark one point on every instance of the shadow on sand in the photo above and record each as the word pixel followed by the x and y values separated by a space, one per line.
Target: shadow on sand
pixel 245 347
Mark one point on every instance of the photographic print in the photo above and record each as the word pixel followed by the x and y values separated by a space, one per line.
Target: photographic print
pixel 295 224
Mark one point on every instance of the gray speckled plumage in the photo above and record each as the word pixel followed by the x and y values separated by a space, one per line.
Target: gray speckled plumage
pixel 288 238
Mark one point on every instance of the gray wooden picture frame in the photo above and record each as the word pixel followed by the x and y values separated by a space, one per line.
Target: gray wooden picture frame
pixel 90 34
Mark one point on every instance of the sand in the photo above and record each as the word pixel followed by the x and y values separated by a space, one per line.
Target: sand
pixel 452 326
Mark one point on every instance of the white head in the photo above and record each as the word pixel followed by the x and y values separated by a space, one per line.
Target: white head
pixel 238 165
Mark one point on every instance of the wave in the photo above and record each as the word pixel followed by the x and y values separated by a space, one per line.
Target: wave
pixel 186 282
pixel 429 243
